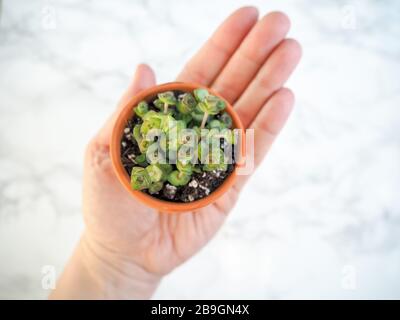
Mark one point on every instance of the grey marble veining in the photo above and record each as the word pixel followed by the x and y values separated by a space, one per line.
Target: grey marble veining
pixel 322 210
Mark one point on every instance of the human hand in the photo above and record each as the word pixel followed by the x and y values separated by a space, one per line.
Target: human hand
pixel 127 247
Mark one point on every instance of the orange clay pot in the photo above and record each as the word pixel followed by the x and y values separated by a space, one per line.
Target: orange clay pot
pixel 115 151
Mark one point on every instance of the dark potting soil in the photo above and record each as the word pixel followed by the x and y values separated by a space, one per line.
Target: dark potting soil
pixel 200 185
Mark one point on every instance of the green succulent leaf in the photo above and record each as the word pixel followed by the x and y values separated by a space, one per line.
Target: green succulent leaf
pixel 151 120
pixel 153 134
pixel 221 105
pixel 215 156
pixel 167 122
pixel 140 159
pixel 142 108
pixel 226 119
pixel 186 155
pixel 172 156
pixel 180 125
pixel 154 154
pixel 187 117
pixel 156 187
pixel 197 116
pixel 203 106
pixel 136 133
pixel 152 125
pixel 140 179
pixel 158 104
pixel 178 178
pixel 200 94
pixel 167 97
pixel 197 169
pixel 143 145
pixel 216 124
pixel 155 172
pixel 186 103
pixel 212 134
pixel 197 132
pixel 188 137
pixel 228 135
pixel 215 166
pixel 197 109
pixel 211 105
pixel 151 115
pixel 169 142
pixel 203 150
pixel 166 169
pixel 186 168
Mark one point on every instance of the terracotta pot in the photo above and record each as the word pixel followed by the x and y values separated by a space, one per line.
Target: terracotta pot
pixel 115 151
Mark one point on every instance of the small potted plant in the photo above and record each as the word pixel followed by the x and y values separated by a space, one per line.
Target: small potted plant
pixel 173 146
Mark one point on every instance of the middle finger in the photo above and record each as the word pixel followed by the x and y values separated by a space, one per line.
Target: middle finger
pixel 251 54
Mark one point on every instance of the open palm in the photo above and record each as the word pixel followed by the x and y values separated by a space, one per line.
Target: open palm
pixel 247 61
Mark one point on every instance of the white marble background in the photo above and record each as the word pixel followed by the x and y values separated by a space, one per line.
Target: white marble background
pixel 320 219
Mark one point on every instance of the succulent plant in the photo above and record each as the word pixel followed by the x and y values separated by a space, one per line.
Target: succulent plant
pixel 142 108
pixel 155 173
pixel 216 124
pixel 184 130
pixel 141 160
pixel 226 119
pixel 216 161
pixel 136 133
pixel 168 99
pixel 210 105
pixel 186 103
pixel 156 187
pixel 200 94
pixel 178 178
pixel 140 178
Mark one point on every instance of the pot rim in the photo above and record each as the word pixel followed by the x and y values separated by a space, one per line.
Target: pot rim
pixel 115 151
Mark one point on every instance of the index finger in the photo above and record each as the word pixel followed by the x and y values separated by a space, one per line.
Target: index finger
pixel 209 61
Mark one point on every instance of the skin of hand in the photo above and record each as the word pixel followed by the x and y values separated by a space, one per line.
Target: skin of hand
pixel 126 247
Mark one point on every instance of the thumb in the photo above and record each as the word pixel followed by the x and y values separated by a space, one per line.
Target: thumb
pixel 144 78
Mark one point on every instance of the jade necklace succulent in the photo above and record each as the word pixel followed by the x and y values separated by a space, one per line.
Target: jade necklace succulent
pixel 179 145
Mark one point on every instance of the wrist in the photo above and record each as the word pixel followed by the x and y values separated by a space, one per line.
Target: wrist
pixel 115 276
